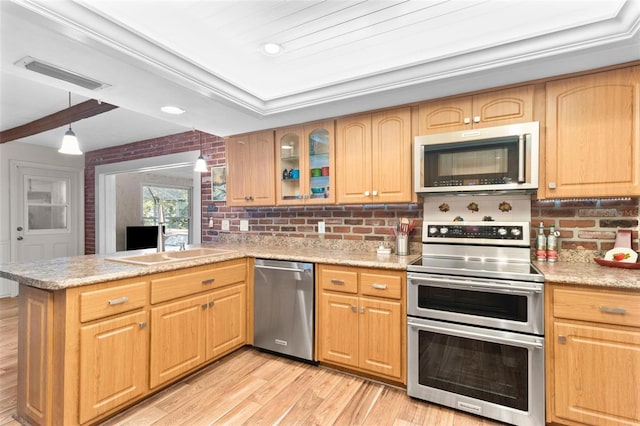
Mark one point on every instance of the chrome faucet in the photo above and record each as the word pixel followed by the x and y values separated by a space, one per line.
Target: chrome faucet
pixel 161 234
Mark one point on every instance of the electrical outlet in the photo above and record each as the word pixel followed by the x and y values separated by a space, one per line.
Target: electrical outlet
pixel 225 224
pixel 244 225
pixel 321 227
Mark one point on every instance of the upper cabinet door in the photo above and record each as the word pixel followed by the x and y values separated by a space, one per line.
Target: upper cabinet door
pixel 489 109
pixel 353 159
pixel 305 164
pixel 391 156
pixel 593 135
pixel 251 169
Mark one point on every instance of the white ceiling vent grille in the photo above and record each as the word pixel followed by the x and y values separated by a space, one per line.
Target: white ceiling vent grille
pixel 58 73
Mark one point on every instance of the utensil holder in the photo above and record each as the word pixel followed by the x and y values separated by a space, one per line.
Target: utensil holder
pixel 402 245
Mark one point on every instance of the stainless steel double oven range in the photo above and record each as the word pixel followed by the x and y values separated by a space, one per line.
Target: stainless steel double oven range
pixel 475 321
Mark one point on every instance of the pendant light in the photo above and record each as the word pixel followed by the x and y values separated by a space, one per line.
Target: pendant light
pixel 69 141
pixel 201 164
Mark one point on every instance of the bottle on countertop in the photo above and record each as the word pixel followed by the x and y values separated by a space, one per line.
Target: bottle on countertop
pixel 541 244
pixel 552 245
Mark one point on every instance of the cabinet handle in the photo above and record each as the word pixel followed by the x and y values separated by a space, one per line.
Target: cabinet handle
pixel 552 185
pixel 212 303
pixel 379 286
pixel 353 308
pixel 142 324
pixel 476 119
pixel 209 281
pixel 609 310
pixel 204 306
pixel 467 120
pixel 562 339
pixel 337 281
pixel 362 309
pixel 119 301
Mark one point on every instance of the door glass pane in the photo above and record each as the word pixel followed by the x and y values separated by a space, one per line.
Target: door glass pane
pixel 47 203
pixel 290 160
pixel 319 162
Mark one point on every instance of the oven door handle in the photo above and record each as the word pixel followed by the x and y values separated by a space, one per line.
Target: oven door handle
pixel 476 285
pixel 475 335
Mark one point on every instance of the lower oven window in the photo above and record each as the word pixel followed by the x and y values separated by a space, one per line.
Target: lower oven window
pixel 483 370
pixel 493 305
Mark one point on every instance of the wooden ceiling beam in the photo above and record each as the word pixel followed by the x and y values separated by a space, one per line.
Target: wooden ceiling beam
pixel 75 113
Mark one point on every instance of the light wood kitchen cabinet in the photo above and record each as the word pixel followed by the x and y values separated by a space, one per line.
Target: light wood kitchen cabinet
pixel 593 135
pixel 488 109
pixel 114 355
pixel 87 352
pixel 305 164
pixel 592 355
pixel 373 157
pixel 361 322
pixel 226 320
pixel 251 169
pixel 188 332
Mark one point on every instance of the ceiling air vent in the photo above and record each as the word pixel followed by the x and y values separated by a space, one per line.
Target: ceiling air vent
pixel 40 67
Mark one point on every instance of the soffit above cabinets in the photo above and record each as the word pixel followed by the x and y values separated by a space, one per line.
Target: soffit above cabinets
pixel 338 57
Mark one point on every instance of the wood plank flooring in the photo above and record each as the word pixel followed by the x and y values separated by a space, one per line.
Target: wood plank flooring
pixel 250 387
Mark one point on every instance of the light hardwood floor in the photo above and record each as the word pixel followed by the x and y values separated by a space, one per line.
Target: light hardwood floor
pixel 253 388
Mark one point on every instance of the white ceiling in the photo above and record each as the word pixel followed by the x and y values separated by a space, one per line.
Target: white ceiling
pixel 339 57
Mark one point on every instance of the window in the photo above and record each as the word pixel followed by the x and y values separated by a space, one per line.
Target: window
pixel 176 203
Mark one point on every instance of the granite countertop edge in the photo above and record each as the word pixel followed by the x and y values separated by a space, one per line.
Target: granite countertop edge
pixel 62 273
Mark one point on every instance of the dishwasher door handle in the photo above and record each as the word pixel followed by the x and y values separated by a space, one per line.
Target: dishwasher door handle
pixel 279 268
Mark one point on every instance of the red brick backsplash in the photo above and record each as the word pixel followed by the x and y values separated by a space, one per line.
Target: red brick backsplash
pixel 588 224
pixel 583 224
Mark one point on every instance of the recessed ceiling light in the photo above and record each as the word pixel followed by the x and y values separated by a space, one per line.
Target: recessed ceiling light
pixel 272 48
pixel 170 109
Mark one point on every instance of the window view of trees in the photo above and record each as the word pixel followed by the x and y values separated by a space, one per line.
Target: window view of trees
pixel 177 210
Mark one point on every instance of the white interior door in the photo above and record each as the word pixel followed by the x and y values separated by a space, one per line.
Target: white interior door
pixel 47 217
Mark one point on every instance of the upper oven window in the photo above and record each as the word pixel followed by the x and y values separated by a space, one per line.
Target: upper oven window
pixel 479 303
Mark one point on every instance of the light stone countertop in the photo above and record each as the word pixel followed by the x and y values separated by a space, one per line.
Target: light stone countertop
pixel 61 273
pixel 590 274
pixel 65 272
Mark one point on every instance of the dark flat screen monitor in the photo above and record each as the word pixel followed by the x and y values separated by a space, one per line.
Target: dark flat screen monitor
pixel 141 237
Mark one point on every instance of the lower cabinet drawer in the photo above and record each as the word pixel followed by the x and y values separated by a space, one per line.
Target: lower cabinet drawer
pixel 111 301
pixel 381 285
pixel 207 278
pixel 338 279
pixel 605 307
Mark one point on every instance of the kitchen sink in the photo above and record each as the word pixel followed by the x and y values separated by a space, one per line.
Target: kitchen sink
pixel 170 256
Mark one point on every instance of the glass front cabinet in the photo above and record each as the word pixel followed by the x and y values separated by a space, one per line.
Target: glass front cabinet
pixel 306 166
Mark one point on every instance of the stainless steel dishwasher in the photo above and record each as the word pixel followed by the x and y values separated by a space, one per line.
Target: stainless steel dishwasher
pixel 283 307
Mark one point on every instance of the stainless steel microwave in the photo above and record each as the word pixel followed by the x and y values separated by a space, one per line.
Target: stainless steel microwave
pixel 502 158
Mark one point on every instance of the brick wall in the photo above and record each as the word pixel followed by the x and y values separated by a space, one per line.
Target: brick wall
pixel 589 225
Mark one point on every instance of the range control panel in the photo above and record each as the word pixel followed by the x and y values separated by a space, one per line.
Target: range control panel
pixel 508 233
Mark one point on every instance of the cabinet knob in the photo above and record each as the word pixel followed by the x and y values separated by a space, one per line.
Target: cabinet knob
pixel 204 306
pixel 552 185
pixel 212 303
pixel 467 120
pixel 142 324
pixel 476 119
pixel 562 339
pixel 353 308
pixel 375 193
pixel 362 309
pixel 366 193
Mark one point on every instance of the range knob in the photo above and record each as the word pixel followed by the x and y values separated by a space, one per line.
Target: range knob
pixel 502 232
pixel 516 232
pixel 444 230
pixel 433 230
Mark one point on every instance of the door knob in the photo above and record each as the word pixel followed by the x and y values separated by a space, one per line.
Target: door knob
pixel 19 228
pixel 20 238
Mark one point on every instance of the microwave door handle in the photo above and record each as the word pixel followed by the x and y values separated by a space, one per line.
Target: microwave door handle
pixel 522 141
